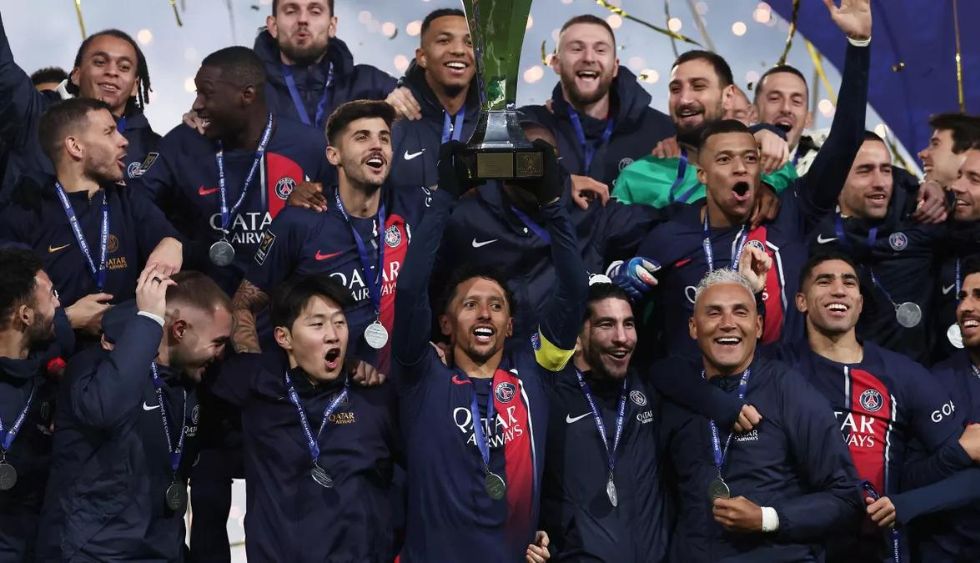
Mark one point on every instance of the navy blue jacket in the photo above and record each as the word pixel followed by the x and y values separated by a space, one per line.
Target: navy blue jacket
pixel 21 107
pixel 416 143
pixel 35 218
pixel 184 183
pixel 963 241
pixel 953 535
pixel 484 229
pixel 575 511
pixel 29 454
pixel 637 129
pixel 304 242
pixel 794 461
pixel 111 467
pixel 450 516
pixel 289 517
pixel 350 81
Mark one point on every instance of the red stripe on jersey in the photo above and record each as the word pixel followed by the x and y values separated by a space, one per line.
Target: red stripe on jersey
pixel 867 425
pixel 282 174
pixel 772 298
pixel 509 401
pixel 396 241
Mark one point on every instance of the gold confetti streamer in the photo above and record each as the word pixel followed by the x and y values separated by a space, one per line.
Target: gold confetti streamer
pixel 81 20
pixel 792 33
pixel 622 13
pixel 959 58
pixel 173 4
pixel 818 68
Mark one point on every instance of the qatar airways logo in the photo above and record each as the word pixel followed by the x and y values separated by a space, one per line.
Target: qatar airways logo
pixel 354 281
pixel 246 228
pixel 858 429
pixel 506 426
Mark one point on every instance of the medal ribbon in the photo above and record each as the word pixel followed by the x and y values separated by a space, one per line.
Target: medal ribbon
pixel 321 107
pixel 719 453
pixel 312 442
pixel 11 433
pixel 737 246
pixel 121 124
pixel 620 418
pixel 870 490
pixel 226 213
pixel 175 454
pixel 959 280
pixel 482 440
pixel 681 172
pixel 589 149
pixel 537 229
pixel 374 284
pixel 452 130
pixel 98 272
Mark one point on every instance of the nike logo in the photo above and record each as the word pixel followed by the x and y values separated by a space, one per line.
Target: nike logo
pixel 478 244
pixel 202 191
pixel 319 257
pixel 570 420
pixel 824 240
pixel 147 407
pixel 413 155
pixel 53 249
pixel 458 381
pixel 946 290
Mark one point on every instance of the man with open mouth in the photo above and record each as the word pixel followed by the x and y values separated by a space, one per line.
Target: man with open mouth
pixel 475 429
pixel 778 492
pixel 109 66
pixel 318 448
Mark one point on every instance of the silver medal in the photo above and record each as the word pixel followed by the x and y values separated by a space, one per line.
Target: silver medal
pixel 908 314
pixel 611 492
pixel 717 488
pixel 221 253
pixel 495 485
pixel 955 336
pixel 8 476
pixel 376 335
pixel 321 477
pixel 176 496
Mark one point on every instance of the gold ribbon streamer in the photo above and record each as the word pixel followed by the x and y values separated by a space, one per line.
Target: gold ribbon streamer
pixel 818 68
pixel 81 20
pixel 622 13
pixel 959 58
pixel 792 32
pixel 544 54
pixel 673 42
pixel 173 4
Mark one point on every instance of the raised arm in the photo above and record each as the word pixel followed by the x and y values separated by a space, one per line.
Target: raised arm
pixel 21 105
pixel 248 301
pixel 105 392
pixel 820 187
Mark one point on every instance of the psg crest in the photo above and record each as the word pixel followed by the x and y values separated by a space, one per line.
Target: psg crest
pixel 393 237
pixel 871 400
pixel 505 392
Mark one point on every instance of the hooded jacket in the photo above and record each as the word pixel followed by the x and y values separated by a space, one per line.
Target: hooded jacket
pixel 637 128
pixel 349 81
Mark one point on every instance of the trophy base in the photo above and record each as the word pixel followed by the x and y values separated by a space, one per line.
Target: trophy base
pixel 499 149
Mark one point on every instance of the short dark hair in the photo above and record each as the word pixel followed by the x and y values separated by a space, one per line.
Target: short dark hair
pixel 602 291
pixel 722 126
pixel 965 129
pixel 352 111
pixel 440 13
pixel 468 271
pixel 872 136
pixel 197 290
pixel 971 265
pixel 722 69
pixel 62 118
pixel 294 294
pixel 142 68
pixel 48 74
pixel 240 65
pixel 787 69
pixel 275 6
pixel 822 256
pixel 18 268
pixel 590 20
